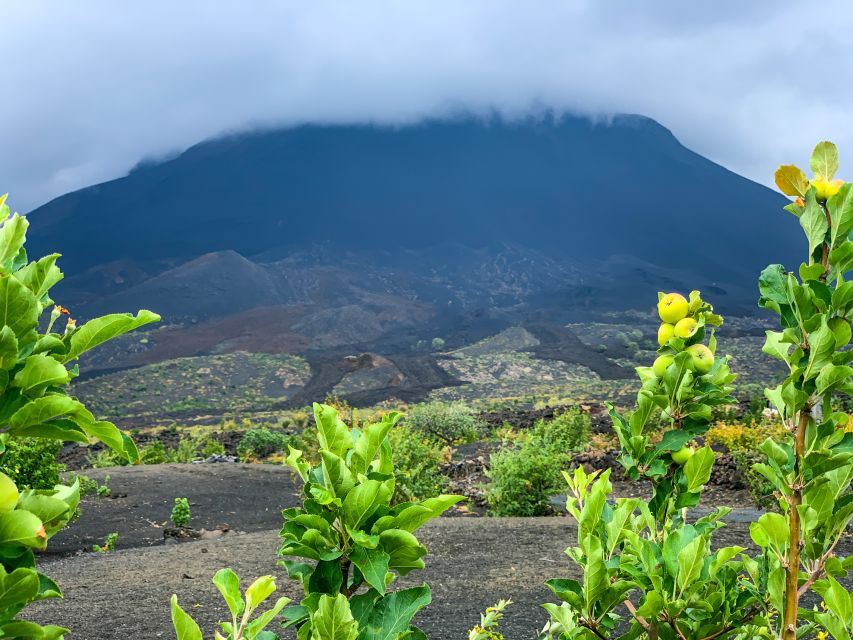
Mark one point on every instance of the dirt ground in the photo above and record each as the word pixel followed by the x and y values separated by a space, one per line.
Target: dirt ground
pixel 472 563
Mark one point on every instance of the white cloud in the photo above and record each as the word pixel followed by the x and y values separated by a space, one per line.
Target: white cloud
pixel 91 87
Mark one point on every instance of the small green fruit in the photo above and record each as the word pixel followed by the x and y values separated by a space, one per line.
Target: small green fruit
pixel 665 333
pixel 673 307
pixel 841 330
pixel 686 327
pixel 661 364
pixel 682 455
pixel 701 357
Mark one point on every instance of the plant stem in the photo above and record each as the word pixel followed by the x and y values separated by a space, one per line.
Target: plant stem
pixel 792 570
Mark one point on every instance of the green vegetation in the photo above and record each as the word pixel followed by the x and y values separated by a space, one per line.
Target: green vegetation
pixel 181 514
pixel 109 544
pixel 448 423
pixel 31 462
pixel 35 369
pixel 242 607
pixel 417 464
pixel 260 443
pixel 352 537
pixel 524 476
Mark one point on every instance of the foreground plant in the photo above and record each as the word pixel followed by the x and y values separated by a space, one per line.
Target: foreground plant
pixel 35 369
pixel 347 543
pixel 812 467
pixel 648 557
pixel 645 558
pixel 244 625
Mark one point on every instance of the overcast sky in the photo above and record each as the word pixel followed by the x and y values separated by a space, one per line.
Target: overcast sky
pixel 92 86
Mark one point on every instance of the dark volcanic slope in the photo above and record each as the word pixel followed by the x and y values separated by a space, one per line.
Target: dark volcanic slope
pixel 567 187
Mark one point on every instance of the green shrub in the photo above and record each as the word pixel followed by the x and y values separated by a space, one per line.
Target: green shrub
pixel 565 433
pixel 261 443
pixel 524 475
pixel 153 453
pixel 185 452
pixel 109 544
pixel 417 463
pixel 31 463
pixel 181 513
pixel 446 422
pixel 212 447
pixel 522 478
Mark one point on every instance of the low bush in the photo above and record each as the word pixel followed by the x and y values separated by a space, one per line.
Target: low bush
pixel 525 475
pixel 212 447
pixel 446 422
pixel 417 463
pixel 31 462
pixel 261 443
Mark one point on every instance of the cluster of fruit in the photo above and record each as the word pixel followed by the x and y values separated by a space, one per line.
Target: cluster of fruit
pixel 673 309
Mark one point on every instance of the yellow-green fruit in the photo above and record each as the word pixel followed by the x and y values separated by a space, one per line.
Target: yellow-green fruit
pixel 841 330
pixel 682 455
pixel 701 357
pixel 825 189
pixel 8 493
pixel 686 327
pixel 672 307
pixel 665 332
pixel 661 364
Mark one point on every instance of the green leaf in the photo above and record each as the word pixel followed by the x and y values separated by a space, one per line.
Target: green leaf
pixel 185 627
pixel 8 348
pixel 776 346
pixel 18 587
pixel 332 433
pixel 255 627
pixel 824 160
pixel 698 468
pixel 831 377
pixel 333 619
pixel 229 586
pixel 22 527
pixel 773 285
pixel 393 614
pixel 8 493
pixel 840 207
pixel 813 222
pixel 19 309
pixel 12 235
pixel 363 501
pixel 822 343
pixel 259 590
pixel 40 276
pixel 99 330
pixel 690 561
pixel 370 440
pixel 39 372
pixel 336 474
pixel 373 564
pixel 771 529
pixel 403 549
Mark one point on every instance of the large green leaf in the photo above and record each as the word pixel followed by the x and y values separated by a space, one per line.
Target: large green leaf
pixel 185 627
pixel 18 587
pixel 404 550
pixel 332 433
pixel 100 330
pixel 370 440
pixel 690 561
pixel 333 619
pixel 39 372
pixel 12 236
pixel 8 348
pixel 373 564
pixel 363 501
pixel 21 527
pixel 822 348
pixel 698 468
pixel 229 586
pixel 813 222
pixel 824 160
pixel 336 474
pixel 393 614
pixel 19 309
pixel 40 276
pixel 840 207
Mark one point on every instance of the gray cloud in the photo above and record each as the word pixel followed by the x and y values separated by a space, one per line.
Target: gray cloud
pixel 92 87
